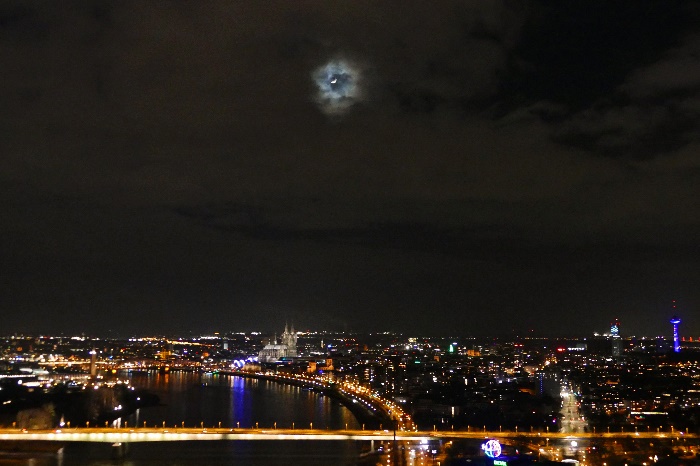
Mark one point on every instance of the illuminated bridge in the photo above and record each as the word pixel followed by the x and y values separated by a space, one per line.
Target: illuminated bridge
pixel 149 434
pixel 145 434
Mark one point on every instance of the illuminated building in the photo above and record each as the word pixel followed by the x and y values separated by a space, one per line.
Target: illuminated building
pixel 287 348
pixel 675 320
pixel 615 338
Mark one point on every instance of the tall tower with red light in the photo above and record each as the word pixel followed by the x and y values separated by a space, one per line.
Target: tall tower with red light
pixel 675 321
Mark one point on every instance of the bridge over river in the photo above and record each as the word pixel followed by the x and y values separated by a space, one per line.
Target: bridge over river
pixel 149 434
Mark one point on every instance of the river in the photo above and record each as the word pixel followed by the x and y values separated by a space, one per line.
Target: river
pixel 210 399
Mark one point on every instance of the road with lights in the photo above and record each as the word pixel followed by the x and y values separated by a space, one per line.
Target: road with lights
pixel 571 420
pixel 161 434
pixel 365 403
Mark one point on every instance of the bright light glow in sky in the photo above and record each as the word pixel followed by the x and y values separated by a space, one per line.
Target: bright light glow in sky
pixel 338 87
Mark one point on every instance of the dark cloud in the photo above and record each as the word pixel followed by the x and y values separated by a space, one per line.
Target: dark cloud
pixel 654 112
pixel 620 76
pixel 167 165
pixel 578 52
pixel 633 131
pixel 495 243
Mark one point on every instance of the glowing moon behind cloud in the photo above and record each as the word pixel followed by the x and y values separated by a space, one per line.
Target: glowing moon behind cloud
pixel 338 87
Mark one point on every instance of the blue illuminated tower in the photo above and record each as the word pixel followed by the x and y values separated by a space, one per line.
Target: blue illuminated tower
pixel 675 320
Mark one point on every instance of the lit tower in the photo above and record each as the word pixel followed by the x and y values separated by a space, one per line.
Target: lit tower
pixel 675 320
pixel 615 328
pixel 615 338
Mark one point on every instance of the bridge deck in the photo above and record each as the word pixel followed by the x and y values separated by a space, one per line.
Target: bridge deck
pixel 115 435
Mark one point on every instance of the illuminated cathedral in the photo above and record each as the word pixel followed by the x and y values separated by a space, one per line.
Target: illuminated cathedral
pixel 275 351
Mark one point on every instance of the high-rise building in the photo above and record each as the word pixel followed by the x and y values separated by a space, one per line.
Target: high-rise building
pixel 615 338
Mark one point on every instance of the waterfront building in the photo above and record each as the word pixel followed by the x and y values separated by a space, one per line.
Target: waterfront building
pixel 286 348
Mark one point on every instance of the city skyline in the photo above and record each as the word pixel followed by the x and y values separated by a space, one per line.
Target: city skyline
pixel 273 333
pixel 472 168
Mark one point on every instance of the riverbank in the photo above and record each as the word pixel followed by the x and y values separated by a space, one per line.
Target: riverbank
pixel 365 415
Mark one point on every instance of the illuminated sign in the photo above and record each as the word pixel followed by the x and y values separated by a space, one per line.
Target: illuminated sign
pixel 499 463
pixel 492 448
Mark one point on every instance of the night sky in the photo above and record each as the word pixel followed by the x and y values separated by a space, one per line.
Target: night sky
pixel 440 168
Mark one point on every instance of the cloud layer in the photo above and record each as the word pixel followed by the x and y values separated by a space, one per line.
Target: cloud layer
pixel 474 163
